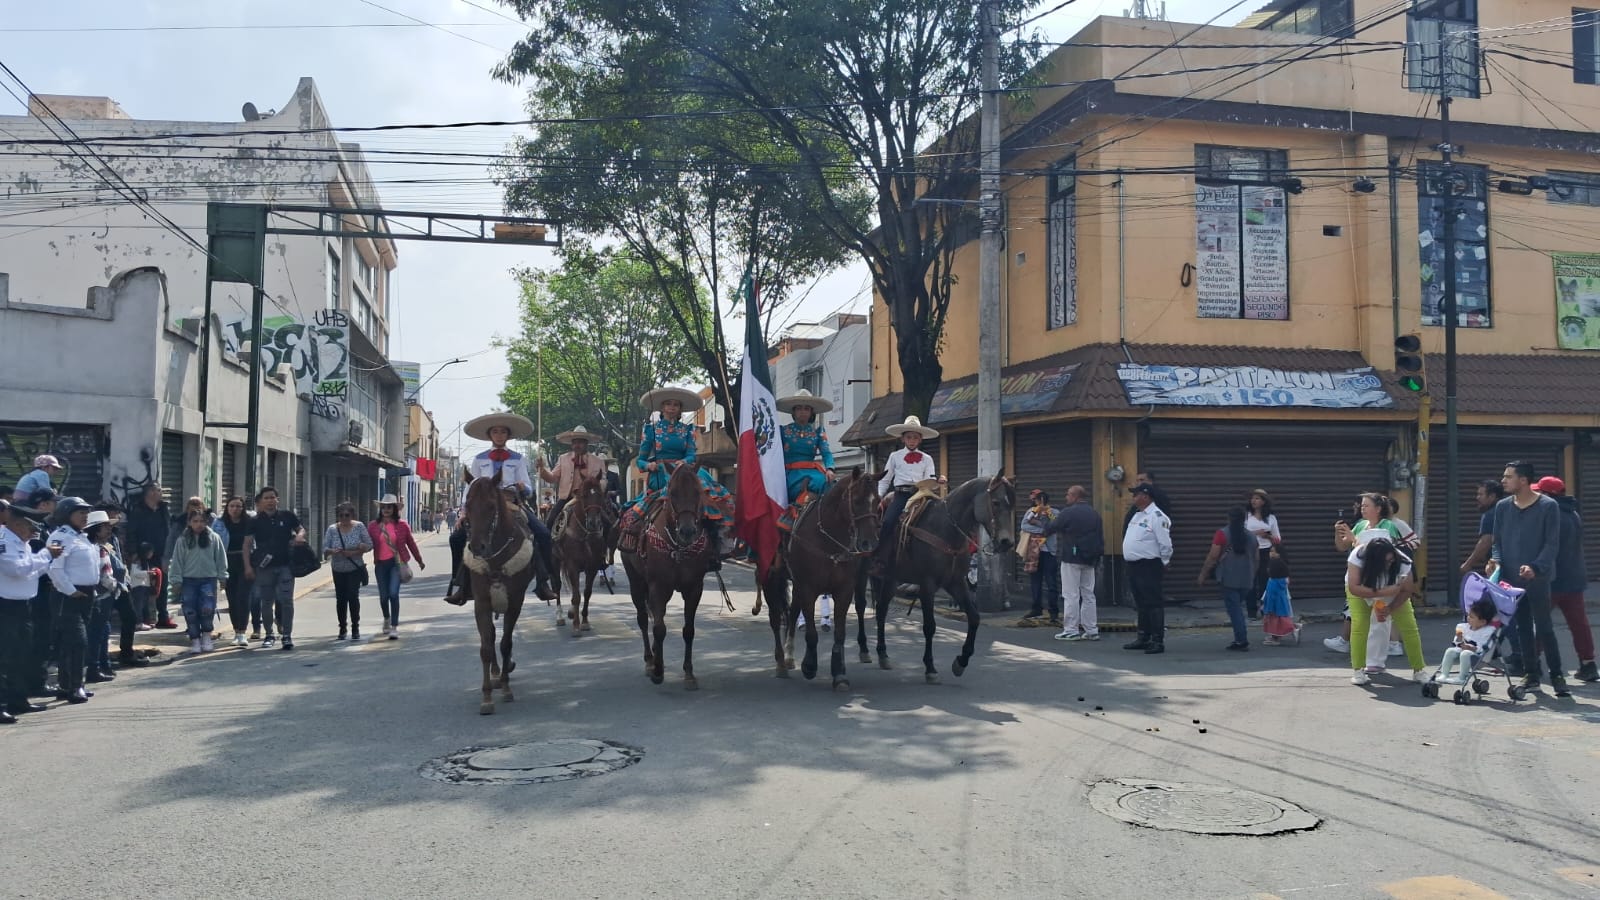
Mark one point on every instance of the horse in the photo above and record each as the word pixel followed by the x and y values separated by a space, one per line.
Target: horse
pixel 581 548
pixel 673 554
pixel 938 555
pixel 823 554
pixel 499 564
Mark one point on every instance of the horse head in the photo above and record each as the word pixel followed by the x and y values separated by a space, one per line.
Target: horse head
pixel 998 512
pixel 684 503
pixel 482 508
pixel 863 495
pixel 591 502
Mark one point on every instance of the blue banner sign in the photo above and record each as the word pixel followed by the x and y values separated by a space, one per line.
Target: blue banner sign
pixel 1252 386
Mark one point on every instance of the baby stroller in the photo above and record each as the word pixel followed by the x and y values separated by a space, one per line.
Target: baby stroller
pixel 1473 588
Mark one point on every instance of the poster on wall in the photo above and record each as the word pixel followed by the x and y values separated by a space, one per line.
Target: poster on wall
pixel 1025 393
pixel 1266 252
pixel 1467 195
pixel 1063 261
pixel 1217 278
pixel 1577 300
pixel 1252 386
pixel 318 352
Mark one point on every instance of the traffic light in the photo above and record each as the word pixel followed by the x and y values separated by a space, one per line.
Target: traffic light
pixel 1409 369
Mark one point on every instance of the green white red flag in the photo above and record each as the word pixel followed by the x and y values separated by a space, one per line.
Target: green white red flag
pixel 762 493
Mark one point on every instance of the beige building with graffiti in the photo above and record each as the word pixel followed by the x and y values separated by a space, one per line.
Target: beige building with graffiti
pixel 1210 250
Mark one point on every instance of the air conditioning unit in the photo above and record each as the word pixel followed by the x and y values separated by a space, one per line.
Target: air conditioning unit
pixel 357 433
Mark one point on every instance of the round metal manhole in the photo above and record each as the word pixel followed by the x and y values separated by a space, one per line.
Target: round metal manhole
pixel 533 762
pixel 1197 808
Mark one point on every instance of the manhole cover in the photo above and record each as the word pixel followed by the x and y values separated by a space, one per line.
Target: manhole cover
pixel 1197 808
pixel 533 762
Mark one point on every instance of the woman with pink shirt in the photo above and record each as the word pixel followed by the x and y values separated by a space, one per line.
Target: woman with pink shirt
pixel 392 544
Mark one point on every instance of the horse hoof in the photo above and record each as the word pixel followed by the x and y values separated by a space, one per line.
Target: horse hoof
pixel 511 666
pixel 486 709
pixel 866 658
pixel 505 697
pixel 586 627
pixel 883 663
pixel 958 667
pixel 691 684
pixel 788 663
pixel 809 672
pixel 783 672
pixel 931 677
pixel 656 679
pixel 841 686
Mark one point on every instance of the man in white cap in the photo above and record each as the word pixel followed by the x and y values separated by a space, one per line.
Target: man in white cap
pixel 571 469
pixel 45 467
pixel 497 429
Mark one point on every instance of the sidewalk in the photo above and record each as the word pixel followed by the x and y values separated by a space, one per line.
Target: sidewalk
pixel 162 647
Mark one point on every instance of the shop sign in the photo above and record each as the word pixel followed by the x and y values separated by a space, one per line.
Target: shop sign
pixel 1577 300
pixel 1252 386
pixel 1031 392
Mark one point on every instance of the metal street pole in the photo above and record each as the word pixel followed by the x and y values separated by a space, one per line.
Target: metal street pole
pixel 417 394
pixel 991 454
pixel 1452 460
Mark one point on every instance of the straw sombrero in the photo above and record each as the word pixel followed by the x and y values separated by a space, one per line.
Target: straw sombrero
pixel 521 428
pixel 912 423
pixel 804 397
pixel 652 400
pixel 579 433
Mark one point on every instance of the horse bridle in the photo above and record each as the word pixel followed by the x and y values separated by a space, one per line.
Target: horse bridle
pixel 494 524
pixel 995 485
pixel 847 550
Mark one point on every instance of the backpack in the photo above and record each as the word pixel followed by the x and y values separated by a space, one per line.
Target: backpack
pixel 1089 548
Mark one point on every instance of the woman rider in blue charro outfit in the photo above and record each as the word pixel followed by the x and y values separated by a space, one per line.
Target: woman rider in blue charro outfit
pixel 668 439
pixel 803 440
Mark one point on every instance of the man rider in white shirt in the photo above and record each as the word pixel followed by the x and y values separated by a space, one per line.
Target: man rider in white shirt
pixel 905 469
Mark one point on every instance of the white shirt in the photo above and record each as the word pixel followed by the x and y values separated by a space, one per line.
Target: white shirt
pixel 1477 637
pixel 1149 536
pixel 79 562
pixel 513 471
pixel 1358 556
pixel 20 567
pixel 1265 532
pixel 899 473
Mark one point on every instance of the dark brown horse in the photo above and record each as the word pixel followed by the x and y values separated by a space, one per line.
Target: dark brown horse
pixel 673 555
pixel 581 548
pixel 499 567
pixel 938 556
pixel 823 554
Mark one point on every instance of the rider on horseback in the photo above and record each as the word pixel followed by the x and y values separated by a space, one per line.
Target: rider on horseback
pixel 497 428
pixel 803 440
pixel 668 440
pixel 571 469
pixel 907 467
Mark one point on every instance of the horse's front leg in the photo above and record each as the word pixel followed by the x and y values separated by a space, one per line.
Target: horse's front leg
pixel 485 621
pixel 969 606
pixel 691 602
pixel 860 593
pixel 842 617
pixel 930 625
pixel 883 597
pixel 777 613
pixel 659 598
pixel 806 601
pixel 588 591
pixel 507 664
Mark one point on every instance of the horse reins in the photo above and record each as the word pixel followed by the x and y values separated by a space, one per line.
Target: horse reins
pixel 847 552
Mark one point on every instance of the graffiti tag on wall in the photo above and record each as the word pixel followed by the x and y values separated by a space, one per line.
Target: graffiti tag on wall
pixel 318 352
pixel 80 448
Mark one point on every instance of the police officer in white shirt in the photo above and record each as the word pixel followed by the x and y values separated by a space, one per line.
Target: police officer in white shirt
pixel 75 574
pixel 1147 548
pixel 906 467
pixel 21 567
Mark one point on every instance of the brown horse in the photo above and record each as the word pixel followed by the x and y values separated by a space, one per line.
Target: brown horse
pixel 938 555
pixel 673 555
pixel 581 547
pixel 499 567
pixel 823 554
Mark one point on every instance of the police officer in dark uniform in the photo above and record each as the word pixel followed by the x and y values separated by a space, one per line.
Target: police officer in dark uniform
pixel 22 568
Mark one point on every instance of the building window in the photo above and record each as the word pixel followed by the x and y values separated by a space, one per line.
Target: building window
pixel 1467 196
pixel 811 380
pixel 1061 232
pixel 1241 233
pixel 333 279
pixel 1442 47
pixel 365 271
pixel 1576 188
pixel 1586 46
pixel 1330 18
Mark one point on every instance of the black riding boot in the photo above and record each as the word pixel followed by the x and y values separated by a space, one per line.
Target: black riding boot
pixel 714 539
pixel 456 592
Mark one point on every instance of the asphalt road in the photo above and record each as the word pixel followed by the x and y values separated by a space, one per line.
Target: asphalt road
pixel 272 774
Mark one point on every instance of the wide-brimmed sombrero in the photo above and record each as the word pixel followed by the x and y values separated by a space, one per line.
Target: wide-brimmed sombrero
pixel 652 400
pixel 804 397
pixel 521 428
pixel 912 423
pixel 579 433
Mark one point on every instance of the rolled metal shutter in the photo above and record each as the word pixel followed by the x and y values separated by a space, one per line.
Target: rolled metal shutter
pixel 1309 479
pixel 1483 453
pixel 230 472
pixel 1588 494
pixel 171 477
pixel 1052 457
pixel 962 458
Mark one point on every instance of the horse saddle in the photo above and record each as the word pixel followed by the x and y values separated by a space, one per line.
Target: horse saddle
pixel 791 516
pixel 634 524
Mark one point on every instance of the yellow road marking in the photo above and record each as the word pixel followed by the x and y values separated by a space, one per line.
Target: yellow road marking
pixel 1588 875
pixel 1440 887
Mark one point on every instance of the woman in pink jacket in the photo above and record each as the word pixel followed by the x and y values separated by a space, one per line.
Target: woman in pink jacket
pixel 392 546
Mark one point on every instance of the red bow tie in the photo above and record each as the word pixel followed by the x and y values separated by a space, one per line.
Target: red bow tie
pixel 499 455
pixel 913 457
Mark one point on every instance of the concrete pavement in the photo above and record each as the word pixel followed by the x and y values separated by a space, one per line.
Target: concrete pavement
pixel 273 774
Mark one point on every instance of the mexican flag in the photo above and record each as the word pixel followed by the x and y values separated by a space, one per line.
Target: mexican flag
pixel 762 493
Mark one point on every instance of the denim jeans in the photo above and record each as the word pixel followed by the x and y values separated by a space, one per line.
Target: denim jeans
pixel 99 657
pixel 197 598
pixel 1234 599
pixel 387 573
pixel 1046 584
pixel 274 587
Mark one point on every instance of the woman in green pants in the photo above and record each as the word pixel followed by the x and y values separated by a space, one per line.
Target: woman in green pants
pixel 1377 586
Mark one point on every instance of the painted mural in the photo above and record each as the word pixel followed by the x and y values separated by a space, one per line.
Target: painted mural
pixel 82 450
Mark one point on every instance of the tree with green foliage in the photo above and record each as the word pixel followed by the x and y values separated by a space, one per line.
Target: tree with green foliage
pixel 600 332
pixel 837 97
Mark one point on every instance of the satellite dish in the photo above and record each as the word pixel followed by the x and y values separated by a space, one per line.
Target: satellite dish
pixel 249 112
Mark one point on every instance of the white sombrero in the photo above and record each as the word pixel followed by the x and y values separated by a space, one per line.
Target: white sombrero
pixel 912 423
pixel 579 433
pixel 652 400
pixel 804 398
pixel 521 428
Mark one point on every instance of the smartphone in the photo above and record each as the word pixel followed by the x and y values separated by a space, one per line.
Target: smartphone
pixel 265 561
pixel 1346 515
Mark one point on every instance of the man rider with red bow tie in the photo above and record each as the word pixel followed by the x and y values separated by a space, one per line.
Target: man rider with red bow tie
pixel 497 428
pixel 906 467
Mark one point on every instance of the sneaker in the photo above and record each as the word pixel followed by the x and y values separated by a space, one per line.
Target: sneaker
pixel 343 635
pixel 194 646
pixel 394 632
pixel 1270 640
pixel 1529 682
pixel 238 639
pixel 167 624
pixel 144 626
pixel 1558 683
pixel 1587 672
pixel 1239 646
pixel 268 642
pixel 255 634
pixel 1034 615
pixel 1091 635
pixel 385 626
pixel 355 634
pixel 206 644
pixel 1337 644
pixel 1419 675
pixel 1069 636
pixel 1395 649
pixel 1156 647
pixel 1360 677
pixel 288 644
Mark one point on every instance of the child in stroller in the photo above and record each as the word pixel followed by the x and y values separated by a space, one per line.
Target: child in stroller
pixel 1489 607
pixel 1472 637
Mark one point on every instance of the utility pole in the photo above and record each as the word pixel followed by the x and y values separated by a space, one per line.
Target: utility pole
pixel 1452 461
pixel 991 453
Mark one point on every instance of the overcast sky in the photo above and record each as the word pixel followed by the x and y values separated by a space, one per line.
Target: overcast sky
pixel 388 69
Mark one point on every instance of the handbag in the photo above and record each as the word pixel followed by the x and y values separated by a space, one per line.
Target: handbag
pixel 138 576
pixel 405 568
pixel 303 560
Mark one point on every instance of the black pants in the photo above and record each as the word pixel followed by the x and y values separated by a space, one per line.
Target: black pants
pixel 1536 629
pixel 347 598
pixel 16 652
pixel 1253 602
pixel 72 638
pixel 1144 577
pixel 237 590
pixel 42 610
pixel 127 623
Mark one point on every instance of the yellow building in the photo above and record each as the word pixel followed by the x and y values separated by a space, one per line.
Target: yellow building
pixel 1214 235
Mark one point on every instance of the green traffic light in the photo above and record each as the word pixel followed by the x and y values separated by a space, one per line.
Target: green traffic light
pixel 1411 383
